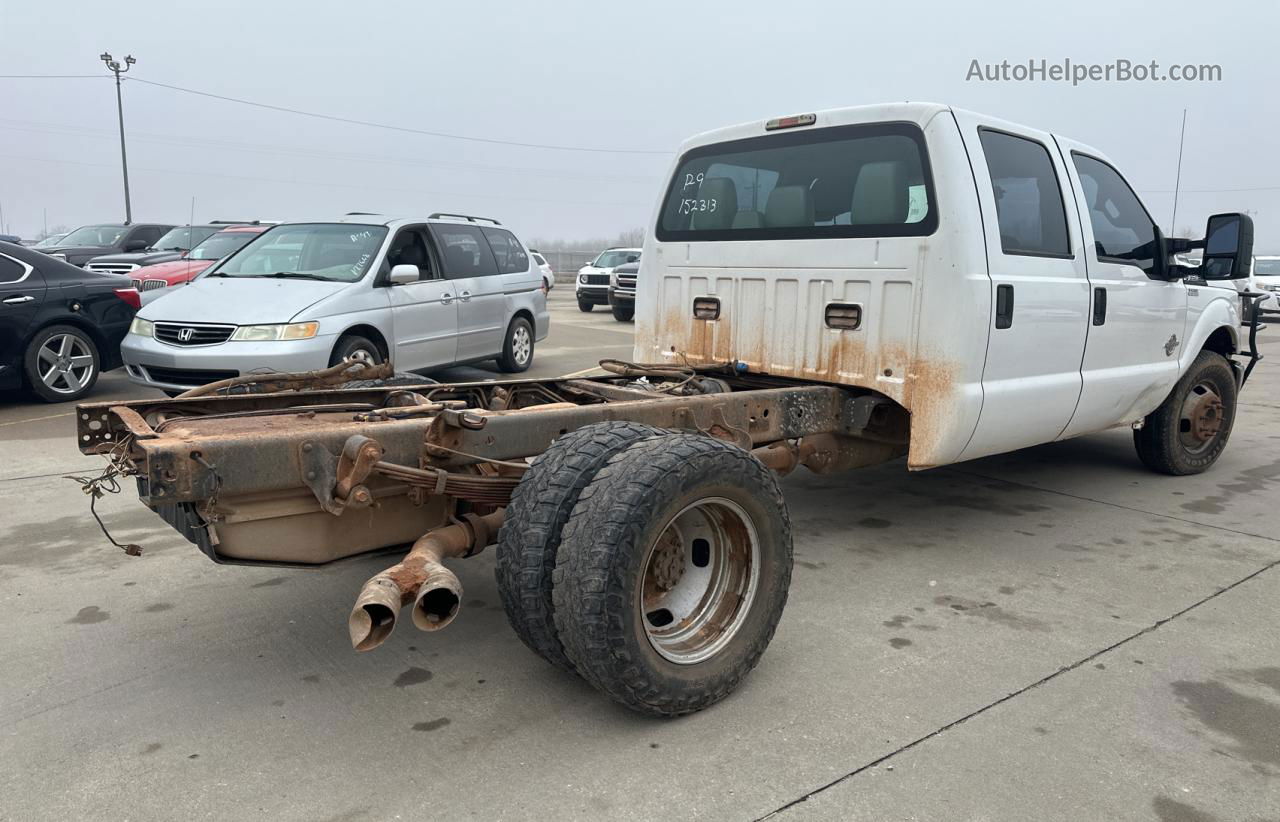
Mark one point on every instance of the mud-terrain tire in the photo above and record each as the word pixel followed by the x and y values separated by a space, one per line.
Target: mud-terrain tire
pixel 530 535
pixel 623 313
pixel 631 549
pixel 1190 429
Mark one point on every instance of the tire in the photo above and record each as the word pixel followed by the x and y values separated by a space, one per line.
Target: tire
pixel 624 313
pixel 517 348
pixel 354 345
pixel 530 535
pixel 611 599
pixel 61 363
pixel 585 308
pixel 1190 429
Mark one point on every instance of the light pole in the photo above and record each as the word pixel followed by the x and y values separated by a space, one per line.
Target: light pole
pixel 115 68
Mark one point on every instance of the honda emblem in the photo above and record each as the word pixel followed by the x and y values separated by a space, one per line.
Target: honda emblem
pixel 185 334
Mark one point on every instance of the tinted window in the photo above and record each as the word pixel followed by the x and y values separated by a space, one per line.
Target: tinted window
pixel 1122 230
pixel 1029 205
pixel 410 248
pixel 147 234
pixel 510 255
pixel 463 251
pixel 10 270
pixel 845 181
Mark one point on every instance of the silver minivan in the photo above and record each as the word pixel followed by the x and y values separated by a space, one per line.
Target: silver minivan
pixel 423 293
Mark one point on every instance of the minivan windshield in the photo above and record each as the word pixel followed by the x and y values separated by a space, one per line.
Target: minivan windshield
pixel 338 252
pixel 839 181
pixel 609 259
pixel 94 235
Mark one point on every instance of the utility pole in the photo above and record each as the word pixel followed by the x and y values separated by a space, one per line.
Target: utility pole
pixel 1177 182
pixel 115 68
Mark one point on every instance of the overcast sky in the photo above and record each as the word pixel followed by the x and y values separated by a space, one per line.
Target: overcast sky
pixel 635 76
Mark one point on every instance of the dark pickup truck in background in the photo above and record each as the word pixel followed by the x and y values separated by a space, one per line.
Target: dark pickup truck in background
pixel 90 241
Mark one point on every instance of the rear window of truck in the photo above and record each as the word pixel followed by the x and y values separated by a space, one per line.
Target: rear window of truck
pixel 839 181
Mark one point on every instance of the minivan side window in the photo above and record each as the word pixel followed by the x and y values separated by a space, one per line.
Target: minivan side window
pixel 1123 232
pixel 409 248
pixel 511 257
pixel 464 251
pixel 1029 208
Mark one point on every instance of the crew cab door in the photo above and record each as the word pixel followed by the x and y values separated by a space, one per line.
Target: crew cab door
pixel 424 314
pixel 1040 293
pixel 470 266
pixel 1136 321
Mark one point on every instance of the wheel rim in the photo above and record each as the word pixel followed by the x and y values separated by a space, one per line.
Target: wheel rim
pixel 1202 419
pixel 65 363
pixel 521 344
pixel 699 581
pixel 363 355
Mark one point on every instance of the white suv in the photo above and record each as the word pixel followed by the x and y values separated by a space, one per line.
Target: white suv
pixel 425 293
pixel 592 285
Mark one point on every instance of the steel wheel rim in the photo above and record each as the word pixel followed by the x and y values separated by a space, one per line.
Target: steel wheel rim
pixel 65 363
pixel 1201 419
pixel 521 344
pixel 363 355
pixel 691 611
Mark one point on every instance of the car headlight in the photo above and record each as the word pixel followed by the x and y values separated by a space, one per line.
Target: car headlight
pixel 292 331
pixel 141 327
pixel 582 278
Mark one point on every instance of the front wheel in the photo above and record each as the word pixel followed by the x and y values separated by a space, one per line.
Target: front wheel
pixel 517 349
pixel 355 347
pixel 624 313
pixel 672 573
pixel 61 364
pixel 585 307
pixel 1189 431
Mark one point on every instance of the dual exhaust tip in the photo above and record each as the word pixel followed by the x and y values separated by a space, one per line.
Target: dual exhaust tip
pixel 421 579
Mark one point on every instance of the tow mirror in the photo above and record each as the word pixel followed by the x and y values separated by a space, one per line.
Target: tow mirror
pixel 1228 246
pixel 403 273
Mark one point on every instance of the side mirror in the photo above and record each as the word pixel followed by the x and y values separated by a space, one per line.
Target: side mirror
pixel 1228 246
pixel 135 245
pixel 403 273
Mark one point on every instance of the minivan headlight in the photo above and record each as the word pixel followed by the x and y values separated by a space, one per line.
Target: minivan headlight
pixel 141 327
pixel 292 331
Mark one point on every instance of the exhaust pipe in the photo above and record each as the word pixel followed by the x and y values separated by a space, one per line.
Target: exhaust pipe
pixel 422 579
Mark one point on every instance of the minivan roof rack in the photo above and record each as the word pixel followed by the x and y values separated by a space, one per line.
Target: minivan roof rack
pixel 466 217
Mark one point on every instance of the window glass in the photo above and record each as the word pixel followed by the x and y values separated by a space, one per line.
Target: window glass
pixel 1029 205
pixel 147 234
pixel 182 238
pixel 843 181
pixel 220 245
pixel 1267 267
pixel 510 255
pixel 91 235
pixel 463 251
pixel 609 259
pixel 410 248
pixel 1122 230
pixel 340 252
pixel 10 270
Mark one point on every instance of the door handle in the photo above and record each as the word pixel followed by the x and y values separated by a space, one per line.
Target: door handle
pixel 465 296
pixel 25 298
pixel 1099 306
pixel 1004 306
pixel 446 298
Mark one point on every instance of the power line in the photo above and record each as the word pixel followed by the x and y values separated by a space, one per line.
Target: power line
pixel 404 129
pixel 52 77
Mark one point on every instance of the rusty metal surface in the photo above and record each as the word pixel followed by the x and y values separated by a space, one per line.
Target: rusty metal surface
pixel 344 371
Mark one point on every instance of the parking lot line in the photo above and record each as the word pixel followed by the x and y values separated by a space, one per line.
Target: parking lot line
pixel 38 419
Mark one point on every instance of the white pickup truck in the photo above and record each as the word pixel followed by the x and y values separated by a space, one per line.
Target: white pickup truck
pixel 829 290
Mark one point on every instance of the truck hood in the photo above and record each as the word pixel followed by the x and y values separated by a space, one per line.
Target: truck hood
pixel 239 300
pixel 139 257
pixel 178 271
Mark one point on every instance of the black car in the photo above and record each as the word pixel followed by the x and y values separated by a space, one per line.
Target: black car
pixel 176 242
pixel 89 241
pixel 60 326
pixel 622 291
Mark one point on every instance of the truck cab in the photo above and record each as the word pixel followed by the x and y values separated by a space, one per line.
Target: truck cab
pixel 1001 285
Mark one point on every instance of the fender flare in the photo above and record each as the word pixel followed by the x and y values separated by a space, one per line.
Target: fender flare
pixel 1222 314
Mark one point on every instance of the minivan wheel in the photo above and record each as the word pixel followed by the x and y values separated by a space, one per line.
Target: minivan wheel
pixel 1190 429
pixel 61 363
pixel 355 347
pixel 517 350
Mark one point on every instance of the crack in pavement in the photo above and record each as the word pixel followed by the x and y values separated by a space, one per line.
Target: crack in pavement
pixel 1007 697
pixel 1061 671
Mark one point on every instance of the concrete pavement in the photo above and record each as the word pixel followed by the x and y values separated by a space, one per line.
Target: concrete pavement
pixel 1053 634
